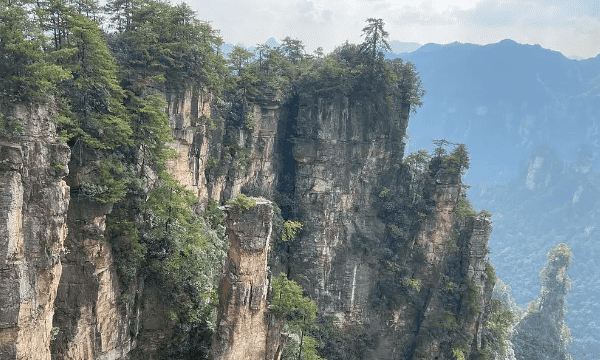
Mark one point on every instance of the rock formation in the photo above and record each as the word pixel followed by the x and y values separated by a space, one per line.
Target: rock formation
pixel 245 328
pixel 33 216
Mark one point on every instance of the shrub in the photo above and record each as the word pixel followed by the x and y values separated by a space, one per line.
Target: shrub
pixel 415 284
pixel 383 192
pixel 490 272
pixel 290 228
pixel 243 202
pixel 464 209
pixel 472 298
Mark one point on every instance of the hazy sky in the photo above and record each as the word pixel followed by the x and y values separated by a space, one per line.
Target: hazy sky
pixel 569 26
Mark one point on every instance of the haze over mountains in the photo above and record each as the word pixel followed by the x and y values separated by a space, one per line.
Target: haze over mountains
pixel 530 118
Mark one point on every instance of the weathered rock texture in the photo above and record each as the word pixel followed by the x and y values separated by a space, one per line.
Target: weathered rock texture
pixel 397 263
pixel 33 211
pixel 245 328
pixel 87 303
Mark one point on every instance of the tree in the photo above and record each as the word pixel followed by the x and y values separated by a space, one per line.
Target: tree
pixel 375 41
pixel 440 147
pixel 459 159
pixel 27 71
pixel 96 113
pixel 407 81
pixel 300 314
pixel 292 50
pixel 319 53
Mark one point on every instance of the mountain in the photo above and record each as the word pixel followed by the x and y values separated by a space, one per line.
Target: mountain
pixel 530 118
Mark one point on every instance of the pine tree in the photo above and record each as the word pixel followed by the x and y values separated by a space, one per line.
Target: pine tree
pixel 375 41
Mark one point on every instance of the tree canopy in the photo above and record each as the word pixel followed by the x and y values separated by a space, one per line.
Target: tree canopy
pixel 375 42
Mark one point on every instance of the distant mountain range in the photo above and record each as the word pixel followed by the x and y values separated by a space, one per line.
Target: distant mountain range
pixel 530 118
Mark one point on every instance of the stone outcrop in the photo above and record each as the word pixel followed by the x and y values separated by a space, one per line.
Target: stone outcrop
pixel 33 211
pixel 92 326
pixel 245 328
pixel 381 248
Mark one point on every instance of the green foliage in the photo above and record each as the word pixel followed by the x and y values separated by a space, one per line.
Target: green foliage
pixel 213 214
pixel 471 298
pixel 288 299
pixel 160 42
pixel 242 202
pixel 458 354
pixel 59 166
pixel 95 111
pixel 27 72
pixel 406 82
pixel 464 209
pixel 129 252
pixel 289 230
pixel 458 159
pixel 418 160
pixel 415 284
pixel 450 286
pixel 485 214
pixel 445 320
pixel 300 314
pixel 111 183
pixel 451 243
pixel 250 120
pixel 490 272
pixel 10 127
pixel 383 192
pixel 375 42
pixel 499 322
pixel 212 163
pixel 194 253
pixel 54 332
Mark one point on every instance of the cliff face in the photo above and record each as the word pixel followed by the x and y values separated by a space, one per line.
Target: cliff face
pixel 246 328
pixel 33 212
pixel 381 248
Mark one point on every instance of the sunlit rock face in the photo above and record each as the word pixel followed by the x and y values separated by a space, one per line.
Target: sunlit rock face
pixel 33 211
pixel 380 261
pixel 245 328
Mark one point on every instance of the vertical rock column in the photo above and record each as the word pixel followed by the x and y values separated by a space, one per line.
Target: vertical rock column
pixel 33 209
pixel 244 323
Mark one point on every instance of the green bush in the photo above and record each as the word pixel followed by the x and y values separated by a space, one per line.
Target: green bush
pixel 464 209
pixel 415 284
pixel 243 202
pixel 383 192
pixel 290 228
pixel 472 298
pixel 490 272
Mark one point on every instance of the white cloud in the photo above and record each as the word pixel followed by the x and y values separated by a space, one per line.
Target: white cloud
pixel 570 27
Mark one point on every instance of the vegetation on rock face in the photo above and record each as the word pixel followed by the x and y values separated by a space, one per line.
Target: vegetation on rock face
pixel 290 227
pixel 542 333
pixel 498 324
pixel 107 89
pixel 242 202
pixel 299 313
pixel 464 209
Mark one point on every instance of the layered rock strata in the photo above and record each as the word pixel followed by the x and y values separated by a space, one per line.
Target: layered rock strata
pixel 245 328
pixel 33 211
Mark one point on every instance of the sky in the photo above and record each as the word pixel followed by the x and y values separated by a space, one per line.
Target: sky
pixel 569 26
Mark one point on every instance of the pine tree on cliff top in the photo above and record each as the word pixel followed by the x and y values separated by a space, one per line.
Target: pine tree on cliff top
pixel 375 41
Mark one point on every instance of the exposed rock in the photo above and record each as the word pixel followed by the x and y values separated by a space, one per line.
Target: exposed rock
pixel 87 303
pixel 245 328
pixel 33 211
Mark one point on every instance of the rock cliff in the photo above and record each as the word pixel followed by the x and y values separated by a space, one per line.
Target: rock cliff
pixel 381 249
pixel 33 227
pixel 246 329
